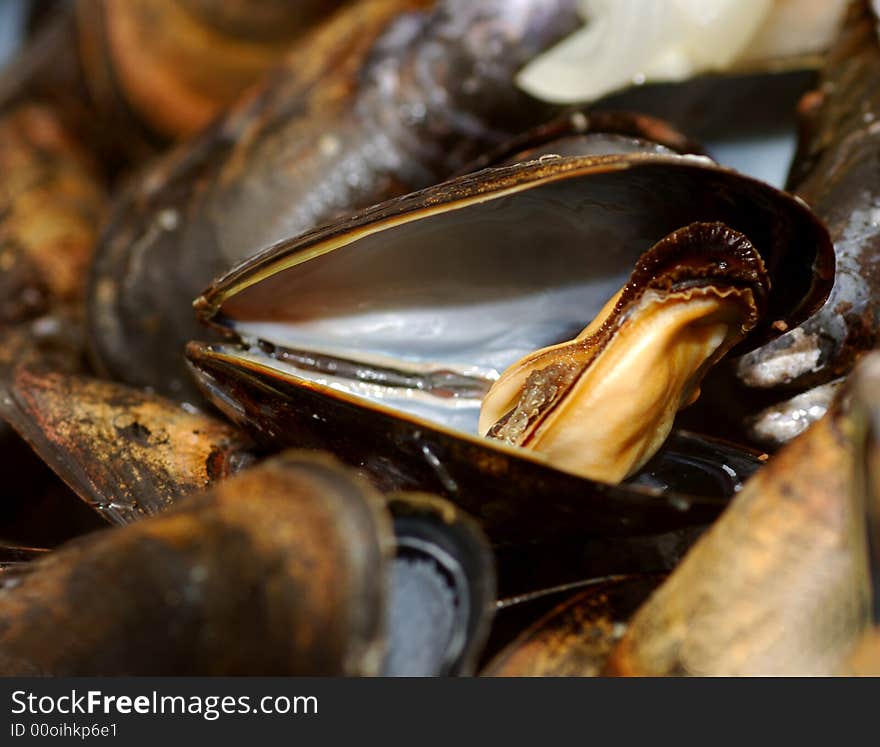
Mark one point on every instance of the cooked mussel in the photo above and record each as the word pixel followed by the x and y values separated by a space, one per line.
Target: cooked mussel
pixel 782 583
pixel 601 405
pixel 378 337
pixel 388 96
pixel 834 173
pixel 287 560
pixel 127 453
pixel 298 561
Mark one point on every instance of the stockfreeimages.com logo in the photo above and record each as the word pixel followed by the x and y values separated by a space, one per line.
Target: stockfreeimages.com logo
pixel 209 707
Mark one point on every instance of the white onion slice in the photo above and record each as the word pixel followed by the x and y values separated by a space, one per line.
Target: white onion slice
pixel 626 42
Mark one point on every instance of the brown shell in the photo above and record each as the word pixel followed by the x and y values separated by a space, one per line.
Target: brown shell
pixel 176 64
pixel 778 585
pixel 287 560
pixel 51 203
pixel 575 638
pixel 126 453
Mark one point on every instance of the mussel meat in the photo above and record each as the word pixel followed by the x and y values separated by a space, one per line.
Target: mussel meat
pixel 602 405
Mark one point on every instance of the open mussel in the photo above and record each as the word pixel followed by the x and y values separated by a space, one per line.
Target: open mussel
pixel 601 405
pixel 379 337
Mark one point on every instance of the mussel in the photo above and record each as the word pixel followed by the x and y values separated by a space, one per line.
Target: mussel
pixel 602 404
pixel 575 638
pixel 286 560
pixel 173 65
pixel 297 563
pixel 51 202
pixel 834 173
pixel 378 337
pixel 131 77
pixel 782 583
pixel 127 453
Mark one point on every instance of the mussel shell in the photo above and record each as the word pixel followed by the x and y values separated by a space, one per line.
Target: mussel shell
pixel 634 200
pixel 513 495
pixel 592 134
pixel 127 453
pixel 575 638
pixel 699 465
pixel 279 570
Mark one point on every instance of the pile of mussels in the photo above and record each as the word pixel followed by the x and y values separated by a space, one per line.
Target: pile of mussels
pixel 329 344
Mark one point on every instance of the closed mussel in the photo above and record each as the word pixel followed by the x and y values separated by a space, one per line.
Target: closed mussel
pixel 575 637
pixel 286 560
pixel 379 337
pixel 298 561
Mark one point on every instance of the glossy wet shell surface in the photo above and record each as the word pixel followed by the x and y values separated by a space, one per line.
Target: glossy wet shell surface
pixel 614 206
